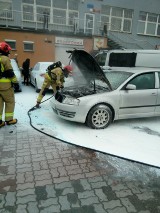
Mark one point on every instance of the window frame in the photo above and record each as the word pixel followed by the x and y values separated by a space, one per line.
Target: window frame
pixel 121 18
pixel 8 13
pixel 146 23
pixel 11 42
pixel 28 50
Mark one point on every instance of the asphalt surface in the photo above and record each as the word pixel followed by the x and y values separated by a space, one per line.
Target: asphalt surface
pixel 42 174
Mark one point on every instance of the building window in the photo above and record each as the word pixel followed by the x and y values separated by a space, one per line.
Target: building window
pixel 116 19
pixel 28 14
pixel 28 46
pixel 60 4
pixel 12 43
pixel 6 9
pixel 149 24
pixel 59 16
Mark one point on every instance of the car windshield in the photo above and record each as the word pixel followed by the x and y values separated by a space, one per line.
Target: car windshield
pixel 116 78
pixel 43 67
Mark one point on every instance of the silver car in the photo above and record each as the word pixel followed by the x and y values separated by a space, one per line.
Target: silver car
pixel 100 98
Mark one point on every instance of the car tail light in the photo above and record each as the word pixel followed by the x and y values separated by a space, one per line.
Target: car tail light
pixel 42 75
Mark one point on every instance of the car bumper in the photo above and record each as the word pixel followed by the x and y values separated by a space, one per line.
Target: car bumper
pixel 68 112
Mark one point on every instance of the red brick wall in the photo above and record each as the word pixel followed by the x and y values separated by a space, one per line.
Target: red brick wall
pixel 44 49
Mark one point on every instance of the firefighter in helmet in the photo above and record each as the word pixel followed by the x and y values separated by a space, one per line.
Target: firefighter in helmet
pixel 7 80
pixel 54 77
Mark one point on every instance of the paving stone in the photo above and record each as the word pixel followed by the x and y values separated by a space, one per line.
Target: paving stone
pixel 21 209
pixel 2 200
pixel 25 192
pixel 10 199
pixel 43 182
pixel 77 176
pixel 123 193
pixel 101 195
pixel 98 184
pixel 26 199
pixel 48 202
pixel 99 208
pixel 112 204
pixel 85 184
pixel 51 209
pixel 60 180
pixel 126 202
pixel 65 205
pixel 63 185
pixel 89 201
pixel 145 196
pixel 25 186
pixel 92 174
pixel 50 191
pixel 42 177
pixel 118 210
pixel 32 207
pixel 86 194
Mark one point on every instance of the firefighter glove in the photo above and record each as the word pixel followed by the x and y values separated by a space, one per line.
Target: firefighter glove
pixel 37 105
pixel 16 86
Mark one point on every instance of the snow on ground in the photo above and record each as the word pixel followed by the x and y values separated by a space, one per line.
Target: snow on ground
pixel 135 139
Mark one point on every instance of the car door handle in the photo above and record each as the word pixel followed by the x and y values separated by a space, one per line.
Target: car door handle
pixel 153 93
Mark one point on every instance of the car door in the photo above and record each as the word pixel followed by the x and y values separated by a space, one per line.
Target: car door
pixel 157 110
pixel 140 102
pixel 34 73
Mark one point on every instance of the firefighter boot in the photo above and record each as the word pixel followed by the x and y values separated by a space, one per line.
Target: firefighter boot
pixel 2 123
pixel 11 122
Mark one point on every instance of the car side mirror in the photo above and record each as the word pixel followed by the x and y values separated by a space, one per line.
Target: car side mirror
pixel 131 87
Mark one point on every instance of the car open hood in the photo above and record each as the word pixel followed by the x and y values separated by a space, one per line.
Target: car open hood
pixel 86 69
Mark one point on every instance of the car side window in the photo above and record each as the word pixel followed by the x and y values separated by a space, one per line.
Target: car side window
pixel 36 67
pixel 144 81
pixel 159 78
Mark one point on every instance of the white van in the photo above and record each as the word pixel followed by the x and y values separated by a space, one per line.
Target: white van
pixel 128 58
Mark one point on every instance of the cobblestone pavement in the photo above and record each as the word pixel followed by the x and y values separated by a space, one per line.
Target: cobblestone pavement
pixel 39 174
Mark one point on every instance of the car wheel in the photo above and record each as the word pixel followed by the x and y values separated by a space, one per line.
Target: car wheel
pixel 99 117
pixel 36 87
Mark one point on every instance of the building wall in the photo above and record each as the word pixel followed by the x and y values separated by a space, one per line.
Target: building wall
pixel 43 51
pixel 44 45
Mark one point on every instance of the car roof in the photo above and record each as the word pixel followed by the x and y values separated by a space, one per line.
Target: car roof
pixel 45 62
pixel 129 51
pixel 133 69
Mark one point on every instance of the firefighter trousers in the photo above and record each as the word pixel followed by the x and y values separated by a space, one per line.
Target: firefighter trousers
pixel 7 104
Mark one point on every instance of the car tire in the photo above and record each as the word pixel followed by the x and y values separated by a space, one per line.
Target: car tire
pixel 99 117
pixel 36 87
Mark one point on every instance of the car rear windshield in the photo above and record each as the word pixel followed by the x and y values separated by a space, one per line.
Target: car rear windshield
pixel 45 66
pixel 116 78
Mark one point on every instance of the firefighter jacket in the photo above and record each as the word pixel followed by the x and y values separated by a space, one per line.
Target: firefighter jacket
pixel 7 76
pixel 54 78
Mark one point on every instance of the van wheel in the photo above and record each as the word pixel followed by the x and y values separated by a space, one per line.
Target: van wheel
pixel 99 117
pixel 36 87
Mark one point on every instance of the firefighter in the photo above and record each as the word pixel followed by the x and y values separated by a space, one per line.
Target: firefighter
pixel 7 80
pixel 54 77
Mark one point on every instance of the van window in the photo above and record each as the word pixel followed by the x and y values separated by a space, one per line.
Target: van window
pixel 101 58
pixel 122 59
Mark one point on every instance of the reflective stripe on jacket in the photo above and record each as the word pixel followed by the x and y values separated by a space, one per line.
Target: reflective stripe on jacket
pixel 7 70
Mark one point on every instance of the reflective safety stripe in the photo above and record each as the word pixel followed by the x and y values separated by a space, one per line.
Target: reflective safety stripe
pixel 0 117
pixel 9 114
pixel 5 80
